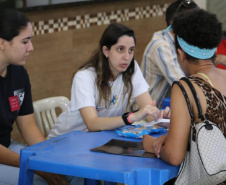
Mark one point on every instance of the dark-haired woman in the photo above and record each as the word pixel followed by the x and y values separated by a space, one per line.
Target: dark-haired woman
pixel 102 88
pixel 197 33
pixel 15 98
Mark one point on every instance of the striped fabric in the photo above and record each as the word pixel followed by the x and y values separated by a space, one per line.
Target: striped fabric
pixel 160 66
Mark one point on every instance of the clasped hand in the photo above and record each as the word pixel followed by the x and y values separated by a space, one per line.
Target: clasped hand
pixel 153 144
pixel 149 110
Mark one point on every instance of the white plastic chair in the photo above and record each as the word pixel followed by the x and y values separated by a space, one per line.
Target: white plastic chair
pixel 45 111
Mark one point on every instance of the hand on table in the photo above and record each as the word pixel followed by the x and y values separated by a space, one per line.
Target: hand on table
pixel 53 179
pixel 152 144
pixel 147 110
pixel 158 143
pixel 147 142
pixel 165 114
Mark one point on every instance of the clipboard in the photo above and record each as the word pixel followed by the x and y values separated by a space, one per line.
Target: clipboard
pixel 122 147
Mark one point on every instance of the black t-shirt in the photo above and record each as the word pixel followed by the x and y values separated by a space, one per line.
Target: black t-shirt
pixel 15 99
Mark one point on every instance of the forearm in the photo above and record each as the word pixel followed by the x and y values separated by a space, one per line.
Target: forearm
pixel 96 123
pixel 33 136
pixel 104 123
pixel 9 157
pixel 166 156
pixel 29 129
pixel 144 100
pixel 110 123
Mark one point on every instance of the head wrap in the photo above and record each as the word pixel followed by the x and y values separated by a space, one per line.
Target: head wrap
pixel 195 51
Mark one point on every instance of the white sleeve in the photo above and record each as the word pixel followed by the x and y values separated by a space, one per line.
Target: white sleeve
pixel 83 90
pixel 139 83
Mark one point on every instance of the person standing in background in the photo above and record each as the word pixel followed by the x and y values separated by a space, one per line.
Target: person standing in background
pixel 159 65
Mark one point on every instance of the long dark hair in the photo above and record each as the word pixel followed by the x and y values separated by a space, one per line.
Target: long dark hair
pixel 11 23
pixel 100 63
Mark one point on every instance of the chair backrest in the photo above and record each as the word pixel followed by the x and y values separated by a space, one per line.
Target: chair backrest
pixel 45 111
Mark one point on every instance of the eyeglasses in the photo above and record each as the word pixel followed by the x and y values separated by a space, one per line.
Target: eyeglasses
pixel 186 4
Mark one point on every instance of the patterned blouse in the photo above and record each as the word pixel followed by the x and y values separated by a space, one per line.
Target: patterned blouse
pixel 216 103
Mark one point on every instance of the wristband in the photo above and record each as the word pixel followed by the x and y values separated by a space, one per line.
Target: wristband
pixel 125 118
pixel 128 118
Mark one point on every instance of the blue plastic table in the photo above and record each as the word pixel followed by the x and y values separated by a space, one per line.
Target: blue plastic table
pixel 70 154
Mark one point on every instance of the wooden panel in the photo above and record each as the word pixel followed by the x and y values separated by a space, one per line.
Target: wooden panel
pixel 57 56
pixel 92 8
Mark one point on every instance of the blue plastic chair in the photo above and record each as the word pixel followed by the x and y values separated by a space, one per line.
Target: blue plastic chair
pixel 165 103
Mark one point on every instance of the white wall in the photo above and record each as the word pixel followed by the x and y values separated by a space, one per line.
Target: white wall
pixel 31 3
pixel 65 1
pixel 201 3
pixel 218 7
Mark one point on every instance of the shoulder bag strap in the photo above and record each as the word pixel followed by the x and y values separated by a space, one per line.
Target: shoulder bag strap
pixel 195 97
pixel 189 109
pixel 186 98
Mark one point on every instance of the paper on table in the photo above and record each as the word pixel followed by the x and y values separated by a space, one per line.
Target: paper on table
pixel 152 123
